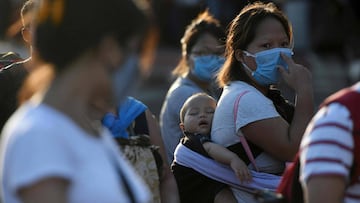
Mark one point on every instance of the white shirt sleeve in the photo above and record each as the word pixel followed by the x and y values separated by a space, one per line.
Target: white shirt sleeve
pixel 35 155
pixel 327 146
pixel 253 107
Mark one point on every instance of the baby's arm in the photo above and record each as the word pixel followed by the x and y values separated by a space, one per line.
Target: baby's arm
pixel 225 156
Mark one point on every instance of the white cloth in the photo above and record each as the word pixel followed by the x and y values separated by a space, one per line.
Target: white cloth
pixel 39 142
pixel 330 132
pixel 223 173
pixel 169 121
pixel 253 106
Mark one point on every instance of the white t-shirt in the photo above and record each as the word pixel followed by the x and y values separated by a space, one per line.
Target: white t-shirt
pixel 39 142
pixel 330 131
pixel 253 106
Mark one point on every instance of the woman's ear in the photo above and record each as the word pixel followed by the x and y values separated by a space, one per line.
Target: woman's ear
pixel 239 55
pixel 182 127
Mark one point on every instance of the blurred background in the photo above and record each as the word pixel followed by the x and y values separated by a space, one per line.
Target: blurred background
pixel 326 33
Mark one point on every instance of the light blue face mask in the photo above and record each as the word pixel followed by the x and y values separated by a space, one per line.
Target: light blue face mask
pixel 206 67
pixel 125 79
pixel 266 72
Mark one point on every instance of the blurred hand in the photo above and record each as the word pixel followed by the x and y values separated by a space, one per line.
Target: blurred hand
pixel 241 170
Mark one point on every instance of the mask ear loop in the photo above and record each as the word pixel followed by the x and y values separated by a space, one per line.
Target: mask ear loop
pixel 247 68
pixel 243 52
pixel 248 54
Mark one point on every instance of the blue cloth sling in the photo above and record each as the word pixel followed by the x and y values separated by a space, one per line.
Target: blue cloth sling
pixel 126 114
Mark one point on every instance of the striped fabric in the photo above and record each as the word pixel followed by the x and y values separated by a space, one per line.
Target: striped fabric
pixel 327 147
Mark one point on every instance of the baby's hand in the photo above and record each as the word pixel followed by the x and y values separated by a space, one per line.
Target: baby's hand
pixel 241 170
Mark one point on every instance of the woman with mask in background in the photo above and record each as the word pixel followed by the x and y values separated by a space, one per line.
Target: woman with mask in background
pixel 258 54
pixel 202 57
pixel 54 148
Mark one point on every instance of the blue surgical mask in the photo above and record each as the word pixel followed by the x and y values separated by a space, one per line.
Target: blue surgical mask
pixel 266 72
pixel 125 79
pixel 206 67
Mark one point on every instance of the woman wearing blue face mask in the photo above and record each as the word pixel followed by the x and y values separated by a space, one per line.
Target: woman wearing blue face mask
pixel 258 54
pixel 202 58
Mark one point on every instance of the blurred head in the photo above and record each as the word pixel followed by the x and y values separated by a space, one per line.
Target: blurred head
pixel 197 113
pixel 65 29
pixel 204 36
pixel 256 28
pixel 96 44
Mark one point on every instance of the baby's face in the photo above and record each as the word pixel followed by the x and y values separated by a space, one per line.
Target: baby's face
pixel 199 115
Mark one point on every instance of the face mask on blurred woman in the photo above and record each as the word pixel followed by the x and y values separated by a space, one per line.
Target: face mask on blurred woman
pixel 206 67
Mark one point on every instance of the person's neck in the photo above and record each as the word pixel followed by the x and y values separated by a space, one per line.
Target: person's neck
pixel 263 89
pixel 64 95
pixel 33 62
pixel 203 85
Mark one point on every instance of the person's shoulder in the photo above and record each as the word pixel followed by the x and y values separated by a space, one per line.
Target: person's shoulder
pixel 241 87
pixel 183 91
pixel 251 94
pixel 347 97
pixel 183 84
pixel 22 121
pixel 238 83
pixel 242 93
pixel 33 117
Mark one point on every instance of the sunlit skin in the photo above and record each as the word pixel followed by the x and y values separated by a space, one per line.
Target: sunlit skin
pixel 325 189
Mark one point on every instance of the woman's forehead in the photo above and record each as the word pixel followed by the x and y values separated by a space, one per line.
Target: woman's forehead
pixel 206 40
pixel 200 101
pixel 270 28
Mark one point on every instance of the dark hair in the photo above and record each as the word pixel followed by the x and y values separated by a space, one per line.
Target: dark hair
pixel 203 23
pixel 64 29
pixel 241 33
